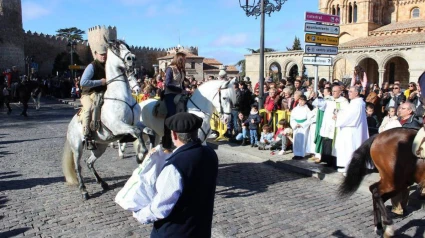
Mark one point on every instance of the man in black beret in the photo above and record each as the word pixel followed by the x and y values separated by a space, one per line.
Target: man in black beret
pixel 183 205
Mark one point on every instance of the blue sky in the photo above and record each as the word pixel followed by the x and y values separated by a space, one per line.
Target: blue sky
pixel 219 28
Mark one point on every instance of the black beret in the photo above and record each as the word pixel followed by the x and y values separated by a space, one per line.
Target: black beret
pixel 183 122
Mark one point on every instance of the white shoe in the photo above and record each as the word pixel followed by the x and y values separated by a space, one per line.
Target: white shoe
pixel 281 152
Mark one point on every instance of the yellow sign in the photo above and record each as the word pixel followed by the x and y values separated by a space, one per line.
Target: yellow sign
pixel 319 39
pixel 76 67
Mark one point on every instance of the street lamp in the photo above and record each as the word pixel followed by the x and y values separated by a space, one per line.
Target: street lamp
pixel 261 8
pixel 28 61
pixel 71 47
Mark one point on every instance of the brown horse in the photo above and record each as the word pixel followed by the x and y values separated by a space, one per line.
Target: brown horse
pixel 391 152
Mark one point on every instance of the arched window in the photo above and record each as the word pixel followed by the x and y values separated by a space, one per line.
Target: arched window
pixel 338 10
pixel 333 10
pixel 192 65
pixel 355 13
pixel 392 73
pixel 415 12
pixel 350 13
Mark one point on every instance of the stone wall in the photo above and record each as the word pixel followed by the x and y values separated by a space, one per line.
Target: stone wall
pixel 147 56
pixel 11 35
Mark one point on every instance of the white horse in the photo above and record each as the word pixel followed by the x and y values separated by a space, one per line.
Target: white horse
pixel 119 115
pixel 216 95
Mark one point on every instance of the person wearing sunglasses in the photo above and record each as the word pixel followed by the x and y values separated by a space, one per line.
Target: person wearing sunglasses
pixel 396 98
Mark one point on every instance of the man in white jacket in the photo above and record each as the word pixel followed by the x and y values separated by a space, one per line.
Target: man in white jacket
pixel 353 128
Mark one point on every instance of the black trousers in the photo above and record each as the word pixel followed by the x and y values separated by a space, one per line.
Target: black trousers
pixel 327 156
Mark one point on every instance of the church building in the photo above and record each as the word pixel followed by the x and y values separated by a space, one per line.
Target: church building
pixel 385 37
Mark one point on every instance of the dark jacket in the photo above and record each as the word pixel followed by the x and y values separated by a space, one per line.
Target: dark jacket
pixel 239 100
pixel 412 123
pixel 192 215
pixel 99 73
pixel 257 120
pixel 419 113
pixel 398 100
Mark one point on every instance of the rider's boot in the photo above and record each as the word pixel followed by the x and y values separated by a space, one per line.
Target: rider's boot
pixel 89 143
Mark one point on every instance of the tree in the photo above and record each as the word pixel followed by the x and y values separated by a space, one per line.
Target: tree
pixel 72 33
pixel 241 65
pixel 258 50
pixel 296 45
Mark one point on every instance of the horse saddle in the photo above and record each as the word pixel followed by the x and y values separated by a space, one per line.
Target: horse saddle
pixel 418 147
pixel 160 108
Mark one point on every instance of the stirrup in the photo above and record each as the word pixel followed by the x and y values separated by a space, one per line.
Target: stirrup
pixel 89 144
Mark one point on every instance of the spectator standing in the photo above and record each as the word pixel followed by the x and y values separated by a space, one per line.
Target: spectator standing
pixel 353 128
pixel 236 107
pixel 271 104
pixel 372 119
pixel 246 99
pixel 396 98
pixel 253 122
pixel 300 123
pixel 359 77
pixel 294 103
pixel 298 86
pixel 287 99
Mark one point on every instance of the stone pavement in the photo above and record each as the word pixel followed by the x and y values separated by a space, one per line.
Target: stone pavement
pixel 253 199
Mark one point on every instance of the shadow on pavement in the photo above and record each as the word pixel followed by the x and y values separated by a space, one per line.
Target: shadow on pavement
pixel 14 232
pixel 3 201
pixel 420 230
pixel 28 183
pixel 248 179
pixel 4 153
pixel 5 142
pixel 341 234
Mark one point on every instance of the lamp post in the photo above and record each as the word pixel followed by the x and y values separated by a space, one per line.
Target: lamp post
pixel 71 47
pixel 261 8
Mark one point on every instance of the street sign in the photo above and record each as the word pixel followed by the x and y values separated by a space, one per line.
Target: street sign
pixel 321 50
pixel 319 28
pixel 318 39
pixel 76 67
pixel 324 61
pixel 320 17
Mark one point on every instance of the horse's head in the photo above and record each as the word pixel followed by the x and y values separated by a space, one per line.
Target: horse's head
pixel 134 86
pixel 119 54
pixel 226 98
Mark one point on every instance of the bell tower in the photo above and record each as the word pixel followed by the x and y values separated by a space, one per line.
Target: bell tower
pixel 358 17
pixel 11 35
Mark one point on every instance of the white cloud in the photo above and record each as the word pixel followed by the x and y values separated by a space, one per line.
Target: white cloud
pixel 32 10
pixel 237 40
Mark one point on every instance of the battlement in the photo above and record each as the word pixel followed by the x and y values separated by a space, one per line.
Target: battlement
pixel 54 38
pixel 189 49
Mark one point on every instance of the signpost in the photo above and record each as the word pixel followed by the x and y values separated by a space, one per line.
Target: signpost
pixel 315 60
pixel 321 50
pixel 319 28
pixel 315 24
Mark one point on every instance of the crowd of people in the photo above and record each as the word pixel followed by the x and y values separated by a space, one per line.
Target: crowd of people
pixel 327 125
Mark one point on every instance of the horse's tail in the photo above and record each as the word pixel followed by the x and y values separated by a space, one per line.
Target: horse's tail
pixel 357 169
pixel 68 165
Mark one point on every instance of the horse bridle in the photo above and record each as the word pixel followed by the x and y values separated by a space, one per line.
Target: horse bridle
pixel 219 100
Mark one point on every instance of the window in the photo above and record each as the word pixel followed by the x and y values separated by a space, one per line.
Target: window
pixel 350 13
pixel 355 13
pixel 338 10
pixel 192 65
pixel 415 12
pixel 333 10
pixel 392 73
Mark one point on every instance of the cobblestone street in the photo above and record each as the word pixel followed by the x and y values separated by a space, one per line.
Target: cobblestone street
pixel 252 199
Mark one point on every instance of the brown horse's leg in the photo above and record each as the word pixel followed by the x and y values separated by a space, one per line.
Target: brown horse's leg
pixel 382 193
pixel 376 213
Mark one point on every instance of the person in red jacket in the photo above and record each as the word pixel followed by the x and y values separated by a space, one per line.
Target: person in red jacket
pixel 272 103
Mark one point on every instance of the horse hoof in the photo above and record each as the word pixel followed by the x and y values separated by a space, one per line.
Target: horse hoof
pixel 105 186
pixel 138 160
pixel 86 196
pixel 120 156
pixel 378 231
pixel 389 232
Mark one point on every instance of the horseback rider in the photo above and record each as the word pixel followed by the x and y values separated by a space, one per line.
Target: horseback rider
pixel 174 77
pixel 93 82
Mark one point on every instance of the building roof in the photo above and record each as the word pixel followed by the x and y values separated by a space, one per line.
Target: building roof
pixel 413 23
pixel 212 69
pixel 212 61
pixel 385 40
pixel 188 56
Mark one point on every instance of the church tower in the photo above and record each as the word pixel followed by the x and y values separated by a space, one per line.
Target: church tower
pixel 11 35
pixel 358 17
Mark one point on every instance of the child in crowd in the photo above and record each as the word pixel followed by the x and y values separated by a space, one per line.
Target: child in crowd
pixel 265 138
pixel 283 137
pixel 253 122
pixel 372 119
pixel 390 121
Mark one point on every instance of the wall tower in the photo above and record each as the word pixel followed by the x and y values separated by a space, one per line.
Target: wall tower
pixel 11 35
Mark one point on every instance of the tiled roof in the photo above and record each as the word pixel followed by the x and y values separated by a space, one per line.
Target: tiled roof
pixel 229 69
pixel 386 40
pixel 414 23
pixel 188 56
pixel 212 61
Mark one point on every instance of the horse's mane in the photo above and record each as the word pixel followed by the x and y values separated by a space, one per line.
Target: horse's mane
pixel 206 89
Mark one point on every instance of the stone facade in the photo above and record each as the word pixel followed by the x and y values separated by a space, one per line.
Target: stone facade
pixel 15 44
pixel 386 38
